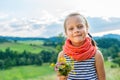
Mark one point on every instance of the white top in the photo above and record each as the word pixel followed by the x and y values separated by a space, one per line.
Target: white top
pixel 83 70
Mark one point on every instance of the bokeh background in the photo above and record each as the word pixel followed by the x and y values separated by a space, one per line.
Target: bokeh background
pixel 32 35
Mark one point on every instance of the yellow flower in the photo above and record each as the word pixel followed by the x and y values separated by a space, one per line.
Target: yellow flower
pixel 61 59
pixel 72 62
pixel 74 72
pixel 52 64
pixel 63 66
pixel 72 67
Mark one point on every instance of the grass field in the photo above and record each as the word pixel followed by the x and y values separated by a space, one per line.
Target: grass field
pixel 36 42
pixel 45 72
pixel 27 73
pixel 112 73
pixel 36 47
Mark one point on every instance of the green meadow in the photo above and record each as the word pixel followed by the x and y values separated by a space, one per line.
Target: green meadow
pixel 31 72
pixel 46 72
pixel 29 46
pixel 112 73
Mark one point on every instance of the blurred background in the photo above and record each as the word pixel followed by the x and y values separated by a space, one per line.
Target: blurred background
pixel 32 35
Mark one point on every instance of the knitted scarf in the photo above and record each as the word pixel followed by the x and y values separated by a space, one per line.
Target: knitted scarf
pixel 84 52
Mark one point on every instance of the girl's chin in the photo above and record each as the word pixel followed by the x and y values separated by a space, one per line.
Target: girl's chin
pixel 79 39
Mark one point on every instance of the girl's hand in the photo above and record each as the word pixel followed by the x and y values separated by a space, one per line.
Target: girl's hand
pixel 62 78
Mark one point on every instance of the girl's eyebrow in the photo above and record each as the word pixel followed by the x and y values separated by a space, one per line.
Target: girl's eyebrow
pixel 79 24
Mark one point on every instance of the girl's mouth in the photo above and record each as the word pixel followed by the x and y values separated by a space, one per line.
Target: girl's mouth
pixel 77 35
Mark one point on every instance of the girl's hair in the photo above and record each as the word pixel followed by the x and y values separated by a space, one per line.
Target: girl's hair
pixel 83 19
pixel 93 41
pixel 75 14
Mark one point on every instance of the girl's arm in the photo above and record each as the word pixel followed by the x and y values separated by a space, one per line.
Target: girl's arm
pixel 99 63
pixel 60 55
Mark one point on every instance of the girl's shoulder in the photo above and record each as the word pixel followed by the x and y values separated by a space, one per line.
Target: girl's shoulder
pixel 61 54
pixel 98 56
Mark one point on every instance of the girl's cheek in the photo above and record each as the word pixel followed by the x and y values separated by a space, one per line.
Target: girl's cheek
pixel 69 32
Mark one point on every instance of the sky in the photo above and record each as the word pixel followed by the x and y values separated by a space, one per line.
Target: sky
pixel 44 18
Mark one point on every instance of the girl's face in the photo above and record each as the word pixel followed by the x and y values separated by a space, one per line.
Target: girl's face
pixel 76 30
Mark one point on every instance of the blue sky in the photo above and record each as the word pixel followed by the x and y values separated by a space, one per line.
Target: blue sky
pixel 44 18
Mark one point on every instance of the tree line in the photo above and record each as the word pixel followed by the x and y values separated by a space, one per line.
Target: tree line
pixel 9 58
pixel 110 48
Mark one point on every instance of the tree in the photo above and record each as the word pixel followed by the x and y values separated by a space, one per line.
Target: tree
pixel 15 41
pixel 2 65
pixel 117 60
pixel 46 56
pixel 38 60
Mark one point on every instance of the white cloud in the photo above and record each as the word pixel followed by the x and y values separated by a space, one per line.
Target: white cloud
pixel 23 28
pixel 33 17
pixel 51 26
pixel 106 32
pixel 27 31
pixel 3 15
pixel 33 8
pixel 93 8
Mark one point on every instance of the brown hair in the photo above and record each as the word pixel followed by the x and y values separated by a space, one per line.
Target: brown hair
pixel 86 23
pixel 75 14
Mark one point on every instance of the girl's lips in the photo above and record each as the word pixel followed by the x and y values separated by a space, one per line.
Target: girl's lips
pixel 77 35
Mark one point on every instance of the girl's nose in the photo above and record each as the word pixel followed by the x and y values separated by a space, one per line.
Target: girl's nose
pixel 76 30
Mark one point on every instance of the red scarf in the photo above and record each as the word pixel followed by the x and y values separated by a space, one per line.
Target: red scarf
pixel 84 52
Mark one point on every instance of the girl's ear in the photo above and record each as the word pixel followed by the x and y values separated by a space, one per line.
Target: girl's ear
pixel 87 30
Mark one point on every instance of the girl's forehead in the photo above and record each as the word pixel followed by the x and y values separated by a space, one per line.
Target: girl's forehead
pixel 75 20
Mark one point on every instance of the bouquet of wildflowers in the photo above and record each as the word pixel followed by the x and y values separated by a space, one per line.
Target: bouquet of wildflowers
pixel 63 67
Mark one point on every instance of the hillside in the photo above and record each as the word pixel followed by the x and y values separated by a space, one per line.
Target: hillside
pixel 29 46
pixel 115 36
pixel 57 39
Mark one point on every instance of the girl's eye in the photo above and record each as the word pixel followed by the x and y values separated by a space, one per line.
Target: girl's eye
pixel 70 29
pixel 80 26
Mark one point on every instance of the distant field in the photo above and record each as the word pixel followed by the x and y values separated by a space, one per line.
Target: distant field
pixel 36 42
pixel 30 46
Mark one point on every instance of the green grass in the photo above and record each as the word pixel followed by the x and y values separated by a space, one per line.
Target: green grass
pixel 21 46
pixel 47 77
pixel 27 73
pixel 112 73
pixel 45 72
pixel 36 42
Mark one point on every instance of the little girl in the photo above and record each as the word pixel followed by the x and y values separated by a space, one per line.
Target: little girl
pixel 80 48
